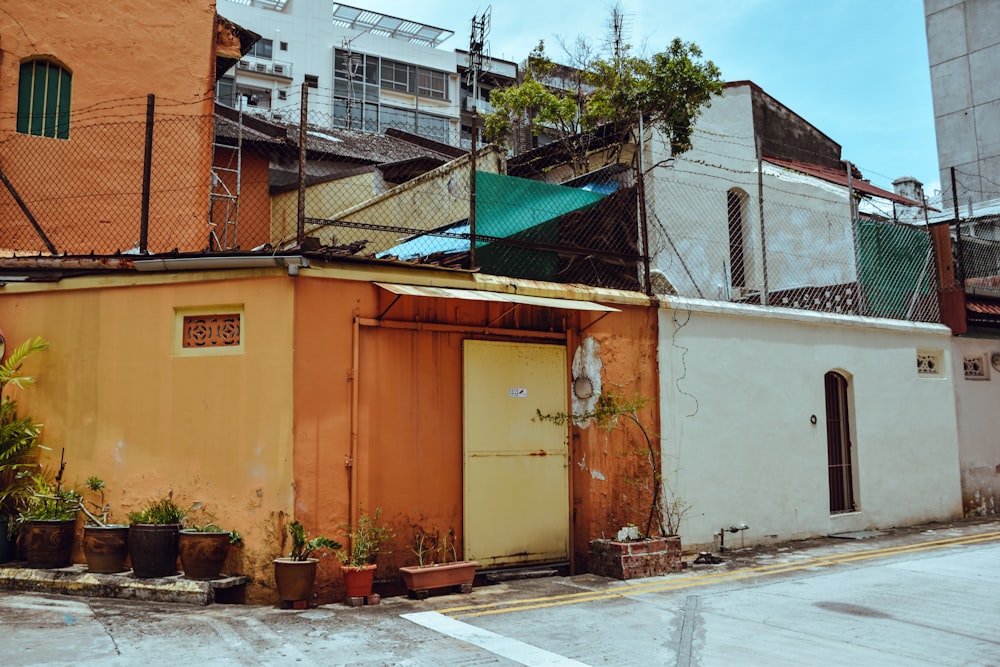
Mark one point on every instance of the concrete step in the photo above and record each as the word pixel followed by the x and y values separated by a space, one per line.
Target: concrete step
pixel 77 580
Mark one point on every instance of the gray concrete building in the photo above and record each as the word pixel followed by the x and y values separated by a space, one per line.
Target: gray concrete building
pixel 963 45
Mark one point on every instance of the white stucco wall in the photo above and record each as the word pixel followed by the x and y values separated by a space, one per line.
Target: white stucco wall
pixel 979 441
pixel 807 230
pixel 738 389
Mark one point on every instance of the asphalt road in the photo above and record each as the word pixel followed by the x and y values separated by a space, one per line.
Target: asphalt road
pixel 919 597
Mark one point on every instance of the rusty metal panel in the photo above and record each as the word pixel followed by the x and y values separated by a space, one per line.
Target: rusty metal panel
pixel 516 478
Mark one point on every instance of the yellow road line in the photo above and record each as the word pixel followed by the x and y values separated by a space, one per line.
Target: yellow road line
pixel 712 577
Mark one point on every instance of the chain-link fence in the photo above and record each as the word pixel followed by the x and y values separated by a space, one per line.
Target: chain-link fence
pixel 736 230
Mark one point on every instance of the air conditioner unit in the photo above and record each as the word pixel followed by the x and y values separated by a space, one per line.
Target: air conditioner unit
pixel 279 69
pixel 261 67
pixel 244 64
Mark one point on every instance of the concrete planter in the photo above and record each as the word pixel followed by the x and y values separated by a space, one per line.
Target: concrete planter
pixel 650 557
pixel 421 579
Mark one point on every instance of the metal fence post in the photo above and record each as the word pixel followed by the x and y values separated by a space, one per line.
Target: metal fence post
pixel 300 226
pixel 147 170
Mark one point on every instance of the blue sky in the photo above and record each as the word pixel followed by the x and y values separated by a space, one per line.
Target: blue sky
pixel 855 69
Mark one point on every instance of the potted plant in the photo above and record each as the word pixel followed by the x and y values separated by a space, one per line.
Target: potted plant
pixel 295 574
pixel 48 523
pixel 366 538
pixel 204 548
pixel 437 566
pixel 153 536
pixel 18 446
pixel 105 544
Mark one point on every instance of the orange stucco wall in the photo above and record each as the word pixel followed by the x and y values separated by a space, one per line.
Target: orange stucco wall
pixel 85 191
pixel 216 429
pixel 275 432
pixel 408 457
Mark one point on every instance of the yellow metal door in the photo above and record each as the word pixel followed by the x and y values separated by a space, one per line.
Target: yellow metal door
pixel 516 466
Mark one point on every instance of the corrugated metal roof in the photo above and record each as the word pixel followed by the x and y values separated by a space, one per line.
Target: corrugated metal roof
pixel 502 297
pixel 839 178
pixel 982 306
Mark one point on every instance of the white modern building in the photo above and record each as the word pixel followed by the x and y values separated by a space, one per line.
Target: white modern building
pixel 364 70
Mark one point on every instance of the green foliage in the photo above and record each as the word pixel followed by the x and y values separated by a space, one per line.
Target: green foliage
pixel 435 547
pixel 301 547
pixel 366 538
pixel 48 502
pixel 18 434
pixel 611 407
pixel 668 90
pixel 161 512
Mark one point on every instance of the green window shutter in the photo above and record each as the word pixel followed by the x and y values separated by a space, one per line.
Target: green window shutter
pixel 62 108
pixel 38 87
pixel 24 97
pixel 43 99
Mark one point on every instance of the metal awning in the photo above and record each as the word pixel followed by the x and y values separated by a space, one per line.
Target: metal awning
pixel 501 297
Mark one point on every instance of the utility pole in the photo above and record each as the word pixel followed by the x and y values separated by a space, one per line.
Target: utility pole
pixel 477 44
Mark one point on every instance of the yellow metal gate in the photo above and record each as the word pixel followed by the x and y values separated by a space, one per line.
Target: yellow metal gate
pixel 516 481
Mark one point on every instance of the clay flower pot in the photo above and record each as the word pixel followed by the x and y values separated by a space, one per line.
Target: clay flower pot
pixel 359 579
pixel 203 554
pixel 48 543
pixel 294 578
pixel 421 579
pixel 153 549
pixel 105 548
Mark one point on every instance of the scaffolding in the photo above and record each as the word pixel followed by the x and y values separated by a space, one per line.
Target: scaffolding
pixel 224 196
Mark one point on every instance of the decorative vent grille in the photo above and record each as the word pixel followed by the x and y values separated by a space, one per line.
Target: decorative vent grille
pixel 930 363
pixel 217 329
pixel 976 367
pixel 209 331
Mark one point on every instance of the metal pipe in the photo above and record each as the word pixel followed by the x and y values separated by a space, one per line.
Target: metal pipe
pixel 234 262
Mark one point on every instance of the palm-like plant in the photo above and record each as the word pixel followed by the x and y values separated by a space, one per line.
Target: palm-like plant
pixel 18 435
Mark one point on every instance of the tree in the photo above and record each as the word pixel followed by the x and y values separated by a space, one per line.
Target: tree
pixel 607 96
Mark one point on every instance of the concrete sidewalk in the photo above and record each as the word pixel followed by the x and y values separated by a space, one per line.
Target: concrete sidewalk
pixel 77 581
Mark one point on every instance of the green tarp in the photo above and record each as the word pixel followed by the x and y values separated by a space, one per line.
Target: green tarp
pixel 892 262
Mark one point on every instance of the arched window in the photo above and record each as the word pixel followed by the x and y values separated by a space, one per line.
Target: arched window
pixel 840 451
pixel 43 96
pixel 736 209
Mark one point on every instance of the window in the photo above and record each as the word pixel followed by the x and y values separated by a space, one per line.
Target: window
pixel 397 76
pixel 263 48
pixel 225 91
pixel 283 46
pixel 43 97
pixel 736 209
pixel 312 80
pixel 432 84
pixel 838 444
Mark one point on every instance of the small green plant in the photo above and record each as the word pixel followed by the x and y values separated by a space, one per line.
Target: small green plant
pixel 301 547
pixel 160 512
pixel 366 539
pixel 49 502
pixel 611 408
pixel 18 434
pixel 435 547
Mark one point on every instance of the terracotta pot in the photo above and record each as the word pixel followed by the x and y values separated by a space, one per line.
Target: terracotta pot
pixel 294 578
pixel 359 580
pixel 422 578
pixel 48 543
pixel 105 548
pixel 203 554
pixel 153 549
